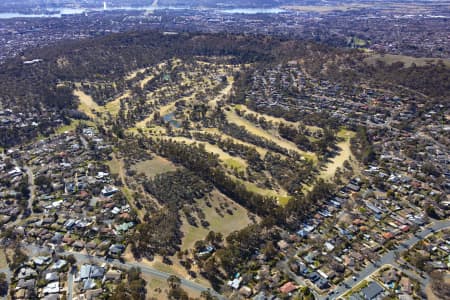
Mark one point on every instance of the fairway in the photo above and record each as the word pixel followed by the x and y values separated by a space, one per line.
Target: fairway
pixel 253 129
pixel 344 154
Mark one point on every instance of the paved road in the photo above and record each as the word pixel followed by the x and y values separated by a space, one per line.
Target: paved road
pixel 85 258
pixel 389 258
pixel 70 286
pixel 32 187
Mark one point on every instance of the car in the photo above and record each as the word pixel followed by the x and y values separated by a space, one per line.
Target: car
pixel 354 278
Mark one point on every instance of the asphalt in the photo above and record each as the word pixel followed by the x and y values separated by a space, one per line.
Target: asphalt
pixel 85 258
pixel 390 258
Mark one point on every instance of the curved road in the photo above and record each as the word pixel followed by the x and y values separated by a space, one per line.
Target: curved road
pixel 389 258
pixel 85 258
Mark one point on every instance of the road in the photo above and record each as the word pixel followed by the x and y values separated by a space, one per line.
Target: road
pixel 70 285
pixel 85 258
pixel 389 258
pixel 32 187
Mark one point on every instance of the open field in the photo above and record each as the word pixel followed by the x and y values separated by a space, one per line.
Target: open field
pixel 87 104
pixel 344 154
pixel 224 224
pixel 154 167
pixel 407 60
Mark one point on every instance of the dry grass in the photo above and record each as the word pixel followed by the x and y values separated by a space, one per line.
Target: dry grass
pixel 275 119
pixel 224 224
pixel 87 104
pixel 344 154
pixel 253 129
pixel 154 167
pixel 223 156
pixel 3 263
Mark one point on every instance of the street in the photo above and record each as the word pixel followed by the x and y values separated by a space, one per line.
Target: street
pixel 389 258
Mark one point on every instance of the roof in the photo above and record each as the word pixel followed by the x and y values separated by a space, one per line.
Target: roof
pixel 288 287
pixel 372 291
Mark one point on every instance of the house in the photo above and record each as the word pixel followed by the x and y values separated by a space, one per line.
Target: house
pixel 51 288
pixel 108 191
pixel 405 285
pixel 372 292
pixel 116 250
pixel 246 291
pixel 26 284
pixel 57 265
pixel 288 287
pixel 26 272
pixel 390 276
pixel 113 275
pixel 93 294
pixel 41 260
pixel 52 276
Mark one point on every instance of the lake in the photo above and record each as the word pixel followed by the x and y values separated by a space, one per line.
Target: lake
pixel 76 11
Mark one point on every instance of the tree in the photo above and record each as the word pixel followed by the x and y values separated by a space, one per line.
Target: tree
pixel 206 295
pixel 3 285
pixel 173 281
pixel 71 259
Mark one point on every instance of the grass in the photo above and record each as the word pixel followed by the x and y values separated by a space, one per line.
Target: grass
pixel 154 167
pixel 224 136
pixel 113 107
pixel 253 129
pixel 282 197
pixel 275 119
pixel 114 166
pixel 344 154
pixel 3 263
pixel 225 225
pixel 223 156
pixel 72 126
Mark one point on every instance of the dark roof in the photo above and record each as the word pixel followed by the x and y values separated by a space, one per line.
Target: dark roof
pixel 372 291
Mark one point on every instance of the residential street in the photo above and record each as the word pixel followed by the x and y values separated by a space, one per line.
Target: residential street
pixel 389 258
pixel 84 258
